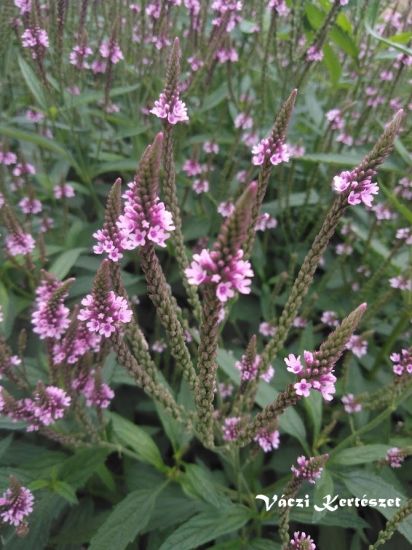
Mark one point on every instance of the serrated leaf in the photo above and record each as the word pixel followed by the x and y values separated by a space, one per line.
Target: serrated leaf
pixel 129 435
pixel 77 469
pixel 360 455
pixel 65 491
pixel 205 527
pixel 126 521
pixel 198 482
pixel 361 483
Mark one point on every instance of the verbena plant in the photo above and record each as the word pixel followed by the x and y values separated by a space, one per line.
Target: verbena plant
pixel 224 345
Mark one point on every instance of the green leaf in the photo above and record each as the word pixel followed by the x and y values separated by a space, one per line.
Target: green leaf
pixel 213 99
pixel 5 444
pixel 397 204
pixel 125 165
pixel 360 455
pixel 65 491
pixel 324 486
pixel 92 97
pixel 129 435
pixel 63 263
pixel 77 469
pixel 347 159
pixel 205 527
pixel 126 521
pixel 40 141
pixel 331 60
pixel 198 482
pixel 344 41
pixel 33 83
pixel 387 41
pixel 361 483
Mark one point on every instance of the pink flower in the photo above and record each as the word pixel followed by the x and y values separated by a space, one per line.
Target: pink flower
pixel 16 503
pixel 159 346
pixel 334 116
pixel 173 109
pixel 142 223
pixel 234 276
pixel 211 147
pixel 268 441
pixel 265 221
pixel 293 363
pixel 357 345
pixel 402 362
pixel 226 209
pixel 105 316
pixel 248 370
pixel 200 186
pixel 50 318
pixel 78 56
pixel 225 55
pixel 97 393
pixel 19 243
pixel 230 428
pixel 23 5
pixel 360 191
pixel 7 158
pixel 192 167
pixel 75 344
pixel 49 404
pixel 228 13
pixel 308 469
pixel 243 121
pixel 34 116
pixel 350 404
pixel 329 318
pixel 225 390
pixel 36 39
pixel 314 54
pixel 268 375
pixel 280 7
pixel 267 150
pixel 63 190
pixel 401 282
pixel 302 541
pixel 110 50
pixel 30 205
pixel 266 329
pixel 395 457
pixel 303 388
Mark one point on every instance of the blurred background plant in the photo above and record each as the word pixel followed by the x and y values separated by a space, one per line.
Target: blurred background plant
pixel 78 82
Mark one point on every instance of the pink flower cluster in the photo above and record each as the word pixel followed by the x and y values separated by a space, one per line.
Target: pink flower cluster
pixel 63 191
pixel 7 158
pixel 105 315
pixel 350 404
pixel 280 6
pixel 47 405
pixel 23 5
pixel 75 344
pixel 276 152
pixel 19 243
pixel 140 223
pixel 97 393
pixel 16 503
pixel 30 205
pixel 248 370
pixel 36 39
pixel 301 541
pixel 50 318
pixel 78 56
pixel 110 50
pixel 359 191
pixel 311 376
pixel 172 109
pixel 231 428
pixel 265 221
pixel 268 441
pixel 307 469
pixel 357 345
pixel 395 457
pixel 228 13
pixel 314 54
pixel 402 362
pixel 230 276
